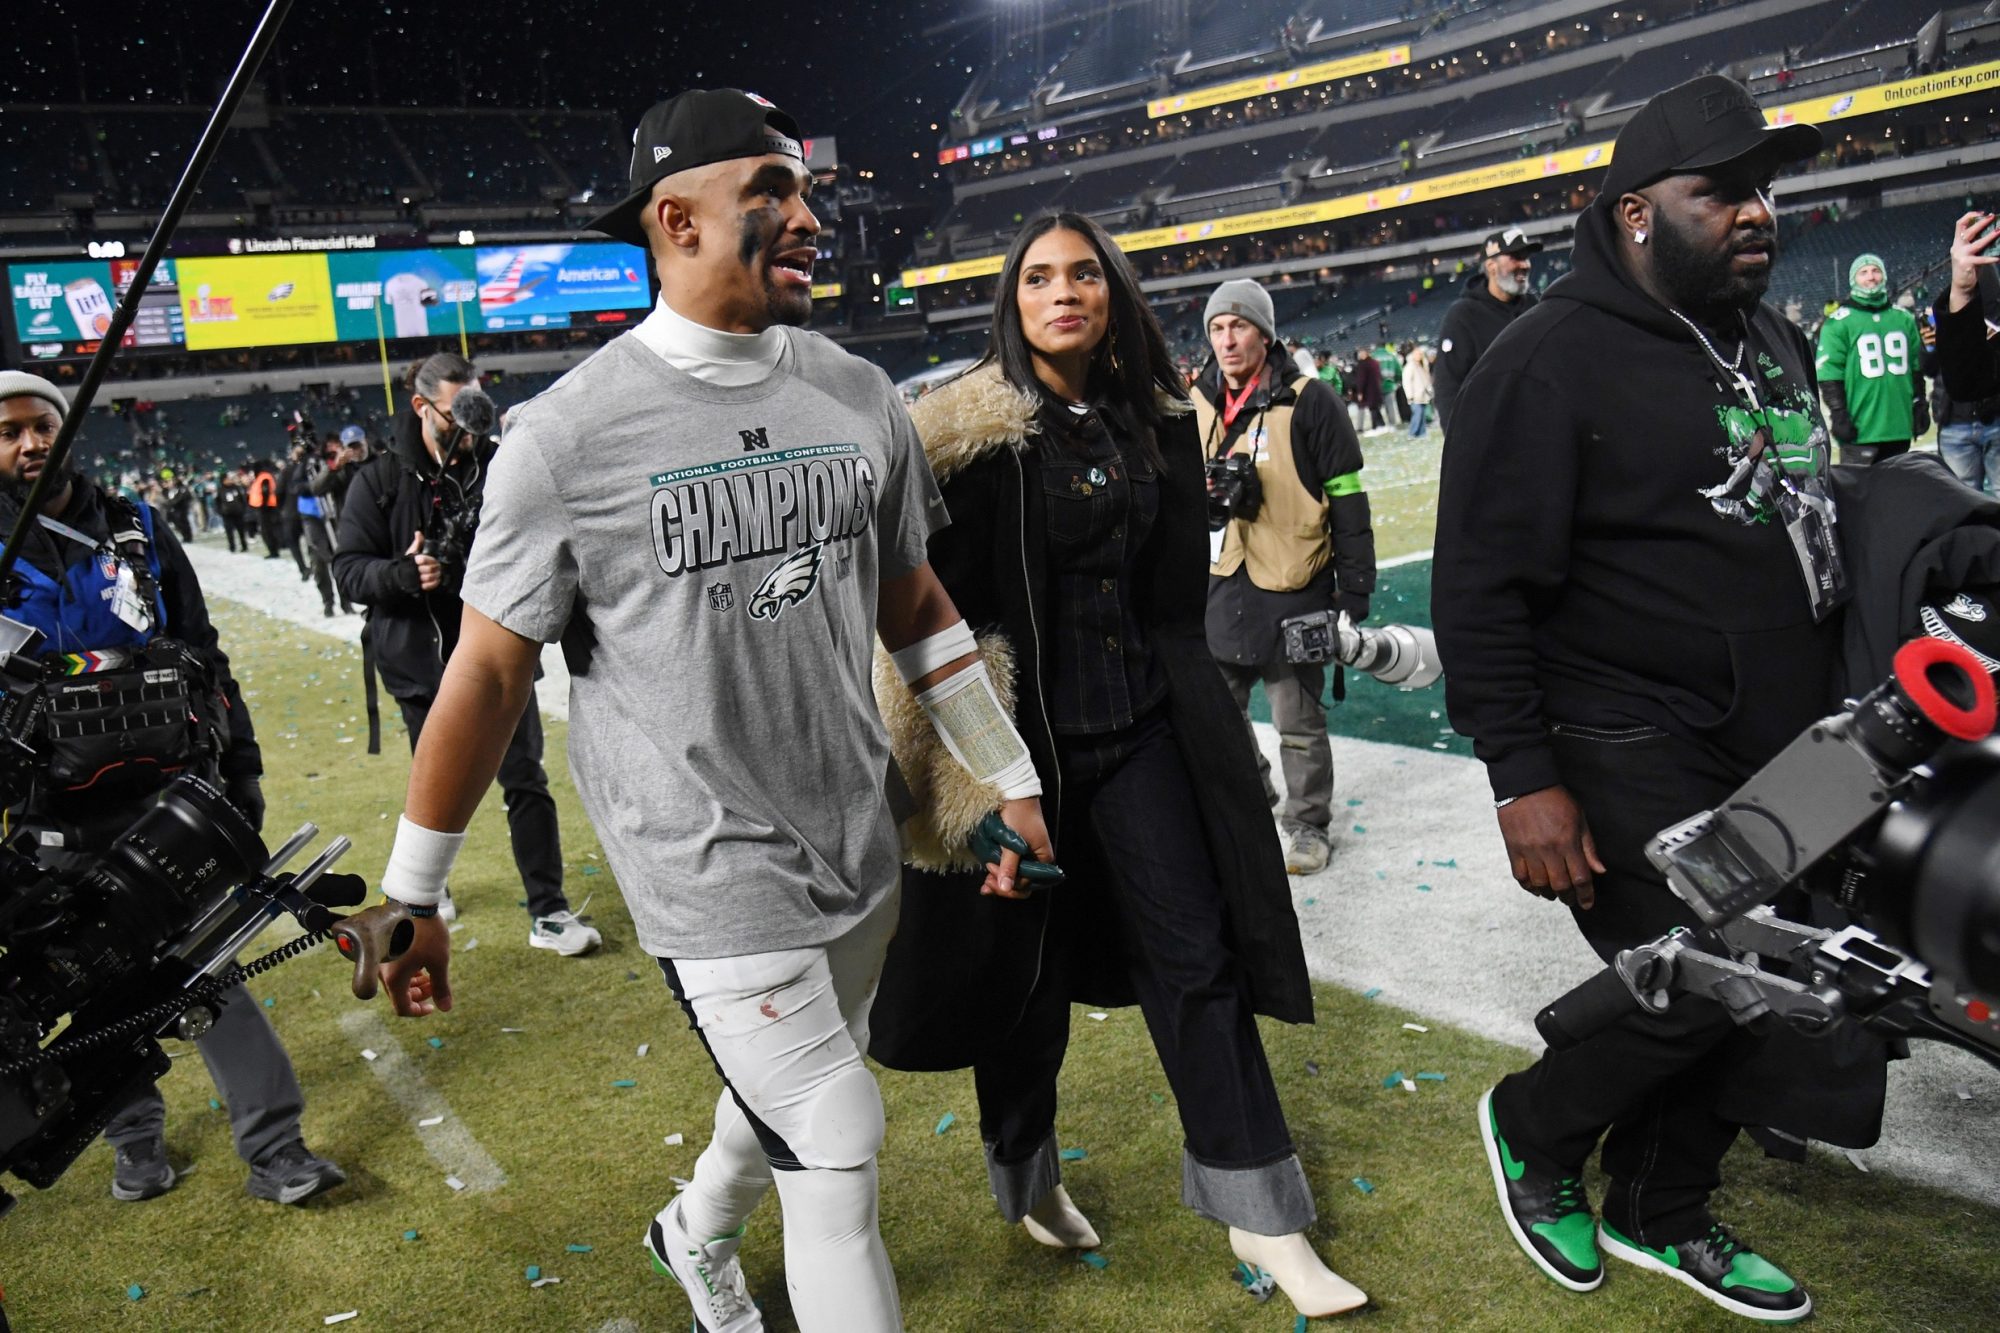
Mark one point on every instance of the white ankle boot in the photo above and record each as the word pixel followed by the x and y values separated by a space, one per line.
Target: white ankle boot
pixel 1055 1222
pixel 1314 1288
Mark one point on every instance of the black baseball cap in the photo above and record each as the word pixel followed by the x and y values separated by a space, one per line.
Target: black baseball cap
pixel 1512 241
pixel 693 129
pixel 1704 122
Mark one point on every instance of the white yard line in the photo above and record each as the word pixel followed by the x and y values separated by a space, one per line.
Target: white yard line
pixel 447 1140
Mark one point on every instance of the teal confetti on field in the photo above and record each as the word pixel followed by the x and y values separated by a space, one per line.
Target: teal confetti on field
pixel 579 1249
pixel 624 1082
pixel 1311 901
pixel 1431 1078
pixel 1452 864
pixel 592 870
pixel 533 1271
pixel 1299 1325
pixel 1359 829
pixel 1371 992
pixel 1095 1260
pixel 1073 1154
pixel 1423 888
pixel 410 1234
pixel 1363 1184
pixel 134 1292
pixel 437 1043
pixel 214 1105
pixel 1159 1099
pixel 271 1003
pixel 1394 1080
pixel 1353 801
pixel 946 1121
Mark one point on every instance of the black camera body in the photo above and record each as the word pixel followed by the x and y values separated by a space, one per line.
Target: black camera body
pixel 1234 490
pixel 451 544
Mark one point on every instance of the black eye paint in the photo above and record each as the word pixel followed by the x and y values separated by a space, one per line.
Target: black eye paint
pixel 757 231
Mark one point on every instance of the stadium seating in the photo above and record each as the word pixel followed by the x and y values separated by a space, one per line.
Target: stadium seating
pixel 148 149
pixel 1872 25
pixel 1666 63
pixel 590 149
pixel 1520 107
pixel 336 157
pixel 1118 51
pixel 48 153
pixel 478 159
pixel 1813 259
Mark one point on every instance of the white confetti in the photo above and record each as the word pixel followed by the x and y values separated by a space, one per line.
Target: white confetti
pixel 455 1183
pixel 345 740
pixel 1415 1027
pixel 340 1318
pixel 676 1140
pixel 1964 1093
pixel 367 1054
pixel 428 1121
pixel 1099 1017
pixel 513 1029
pixel 1409 1086
pixel 544 1281
pixel 1859 1165
pixel 455 927
pixel 470 945
pixel 645 1046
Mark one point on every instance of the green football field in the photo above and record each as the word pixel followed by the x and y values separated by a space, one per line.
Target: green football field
pixel 574 1122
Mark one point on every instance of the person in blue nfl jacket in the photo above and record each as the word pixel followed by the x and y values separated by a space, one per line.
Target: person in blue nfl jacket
pixel 112 594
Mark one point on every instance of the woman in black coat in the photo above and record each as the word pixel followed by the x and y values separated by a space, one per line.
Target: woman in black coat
pixel 1078 552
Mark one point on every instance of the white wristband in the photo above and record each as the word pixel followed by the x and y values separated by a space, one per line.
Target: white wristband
pixel 976 729
pixel 940 649
pixel 419 863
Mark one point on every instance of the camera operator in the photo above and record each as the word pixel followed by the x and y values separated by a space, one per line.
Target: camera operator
pixel 1298 540
pixel 103 581
pixel 291 489
pixel 326 481
pixel 232 504
pixel 1635 592
pixel 406 526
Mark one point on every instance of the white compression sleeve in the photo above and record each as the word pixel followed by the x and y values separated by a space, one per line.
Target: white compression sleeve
pixel 940 649
pixel 419 863
pixel 979 734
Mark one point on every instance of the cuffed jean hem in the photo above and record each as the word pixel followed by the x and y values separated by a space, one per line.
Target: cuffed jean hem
pixel 1270 1200
pixel 1019 1185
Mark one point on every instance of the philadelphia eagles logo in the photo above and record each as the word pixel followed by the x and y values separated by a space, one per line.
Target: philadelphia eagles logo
pixel 789 584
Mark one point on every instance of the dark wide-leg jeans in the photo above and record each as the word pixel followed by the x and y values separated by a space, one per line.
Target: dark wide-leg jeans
pixel 531 811
pixel 1130 793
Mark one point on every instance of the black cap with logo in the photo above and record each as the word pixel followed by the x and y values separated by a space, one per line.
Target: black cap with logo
pixel 693 129
pixel 1704 122
pixel 1512 241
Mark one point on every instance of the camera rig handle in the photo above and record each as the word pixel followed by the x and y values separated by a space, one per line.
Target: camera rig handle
pixel 372 937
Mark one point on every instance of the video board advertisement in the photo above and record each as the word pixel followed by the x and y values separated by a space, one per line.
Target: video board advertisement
pixel 542 286
pixel 63 308
pixel 256 301
pixel 423 293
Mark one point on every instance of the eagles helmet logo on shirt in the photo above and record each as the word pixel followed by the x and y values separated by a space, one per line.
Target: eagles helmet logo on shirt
pixel 789 584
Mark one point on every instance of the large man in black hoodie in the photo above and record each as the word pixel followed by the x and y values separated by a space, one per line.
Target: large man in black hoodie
pixel 1634 587
pixel 406 526
pixel 1495 297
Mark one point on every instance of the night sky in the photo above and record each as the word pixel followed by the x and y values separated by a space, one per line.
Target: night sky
pixel 862 70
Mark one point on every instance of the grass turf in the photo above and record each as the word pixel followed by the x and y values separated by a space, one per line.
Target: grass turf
pixel 586 1164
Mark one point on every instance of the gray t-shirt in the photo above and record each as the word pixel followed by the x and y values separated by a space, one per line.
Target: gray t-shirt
pixel 724 548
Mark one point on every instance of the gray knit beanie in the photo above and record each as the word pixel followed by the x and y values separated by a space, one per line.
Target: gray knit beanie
pixel 16 383
pixel 1246 300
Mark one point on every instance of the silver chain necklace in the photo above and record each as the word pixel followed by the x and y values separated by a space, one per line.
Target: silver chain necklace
pixel 1735 366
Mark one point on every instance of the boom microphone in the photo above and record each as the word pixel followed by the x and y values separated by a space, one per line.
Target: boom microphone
pixel 474 412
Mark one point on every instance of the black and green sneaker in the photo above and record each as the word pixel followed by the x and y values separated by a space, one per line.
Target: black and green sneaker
pixel 1720 1267
pixel 1548 1214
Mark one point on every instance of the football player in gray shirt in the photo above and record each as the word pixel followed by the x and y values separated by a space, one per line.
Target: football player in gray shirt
pixel 727 510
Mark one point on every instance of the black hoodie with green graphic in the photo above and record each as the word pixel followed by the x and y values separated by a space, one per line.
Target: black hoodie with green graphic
pixel 1600 559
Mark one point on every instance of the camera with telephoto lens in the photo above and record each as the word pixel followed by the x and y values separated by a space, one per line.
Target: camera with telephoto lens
pixel 452 542
pixel 1405 656
pixel 120 949
pixel 1890 810
pixel 1233 490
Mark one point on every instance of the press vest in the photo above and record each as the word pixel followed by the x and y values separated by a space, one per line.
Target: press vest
pixel 1286 545
pixel 74 610
pixel 264 492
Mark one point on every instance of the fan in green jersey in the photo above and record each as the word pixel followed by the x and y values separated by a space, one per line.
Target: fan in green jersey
pixel 1867 366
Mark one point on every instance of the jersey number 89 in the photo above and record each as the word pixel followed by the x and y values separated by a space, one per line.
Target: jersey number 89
pixel 1878 354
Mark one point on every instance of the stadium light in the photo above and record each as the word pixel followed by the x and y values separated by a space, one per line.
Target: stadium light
pixel 467 238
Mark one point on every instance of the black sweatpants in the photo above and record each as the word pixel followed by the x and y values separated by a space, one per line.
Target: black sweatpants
pixel 236 531
pixel 531 811
pixel 1648 1084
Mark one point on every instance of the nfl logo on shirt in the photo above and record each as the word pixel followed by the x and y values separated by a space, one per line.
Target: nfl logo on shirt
pixel 720 597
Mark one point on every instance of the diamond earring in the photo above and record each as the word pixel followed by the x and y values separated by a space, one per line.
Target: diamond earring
pixel 1639 236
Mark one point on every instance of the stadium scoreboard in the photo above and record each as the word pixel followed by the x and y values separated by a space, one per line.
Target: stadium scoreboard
pixel 60 309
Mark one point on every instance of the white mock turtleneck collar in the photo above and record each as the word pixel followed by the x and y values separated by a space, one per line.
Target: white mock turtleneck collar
pixel 732 360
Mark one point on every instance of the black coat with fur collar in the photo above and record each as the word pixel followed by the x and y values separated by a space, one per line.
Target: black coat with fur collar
pixel 961 966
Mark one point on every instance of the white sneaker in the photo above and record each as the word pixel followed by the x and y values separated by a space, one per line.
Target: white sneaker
pixel 565 934
pixel 447 909
pixel 1306 850
pixel 708 1273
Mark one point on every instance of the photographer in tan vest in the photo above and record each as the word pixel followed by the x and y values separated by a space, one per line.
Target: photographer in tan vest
pixel 1289 535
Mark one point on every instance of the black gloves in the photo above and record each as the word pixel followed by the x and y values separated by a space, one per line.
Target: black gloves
pixel 1920 418
pixel 246 793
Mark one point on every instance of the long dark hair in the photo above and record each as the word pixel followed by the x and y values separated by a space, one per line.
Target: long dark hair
pixel 1128 368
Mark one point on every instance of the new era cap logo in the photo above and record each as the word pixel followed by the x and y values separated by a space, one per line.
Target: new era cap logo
pixel 1714 106
pixel 760 101
pixel 662 154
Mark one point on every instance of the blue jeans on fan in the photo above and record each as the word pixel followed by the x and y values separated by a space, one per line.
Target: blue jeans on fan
pixel 1420 420
pixel 1972 451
